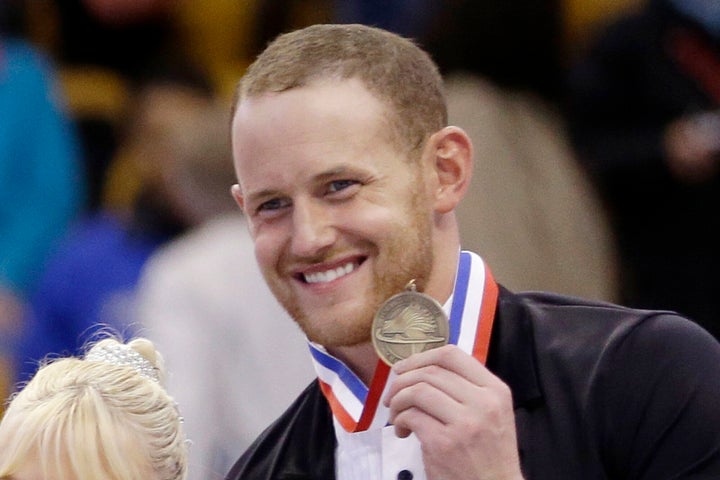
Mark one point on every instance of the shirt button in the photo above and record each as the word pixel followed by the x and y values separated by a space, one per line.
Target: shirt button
pixel 405 475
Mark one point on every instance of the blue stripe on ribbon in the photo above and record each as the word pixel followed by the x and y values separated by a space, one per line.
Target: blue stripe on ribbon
pixel 354 384
pixel 459 296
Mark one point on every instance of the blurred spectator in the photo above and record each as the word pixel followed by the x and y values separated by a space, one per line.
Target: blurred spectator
pixel 104 49
pixel 644 111
pixel 502 63
pixel 582 20
pixel 531 209
pixel 123 36
pixel 276 16
pixel 516 45
pixel 410 18
pixel 218 36
pixel 235 359
pixel 90 281
pixel 41 181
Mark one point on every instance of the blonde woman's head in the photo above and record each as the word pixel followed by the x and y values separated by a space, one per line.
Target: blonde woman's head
pixel 106 416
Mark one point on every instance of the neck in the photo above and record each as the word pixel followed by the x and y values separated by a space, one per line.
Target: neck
pixel 442 280
pixel 446 252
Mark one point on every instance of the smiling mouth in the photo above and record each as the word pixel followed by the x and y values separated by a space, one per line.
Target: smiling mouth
pixel 330 274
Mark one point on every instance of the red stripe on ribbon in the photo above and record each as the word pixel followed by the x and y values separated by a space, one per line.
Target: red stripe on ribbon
pixel 486 318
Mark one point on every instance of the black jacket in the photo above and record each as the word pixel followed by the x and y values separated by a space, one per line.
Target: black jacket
pixel 600 392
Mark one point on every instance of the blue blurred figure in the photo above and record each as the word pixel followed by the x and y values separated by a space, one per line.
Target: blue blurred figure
pixel 89 283
pixel 42 185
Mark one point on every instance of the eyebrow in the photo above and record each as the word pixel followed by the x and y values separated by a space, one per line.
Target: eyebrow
pixel 334 172
pixel 258 197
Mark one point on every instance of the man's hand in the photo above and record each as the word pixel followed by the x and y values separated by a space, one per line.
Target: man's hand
pixel 461 413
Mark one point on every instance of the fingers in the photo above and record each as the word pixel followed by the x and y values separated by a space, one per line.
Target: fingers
pixel 429 364
pixel 460 412
pixel 434 403
pixel 439 388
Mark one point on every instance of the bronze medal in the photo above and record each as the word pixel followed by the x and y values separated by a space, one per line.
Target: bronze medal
pixel 408 322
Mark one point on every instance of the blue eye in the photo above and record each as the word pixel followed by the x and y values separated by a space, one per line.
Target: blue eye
pixel 274 204
pixel 339 185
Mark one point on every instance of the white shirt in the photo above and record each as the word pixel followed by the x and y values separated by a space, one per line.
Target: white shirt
pixel 377 454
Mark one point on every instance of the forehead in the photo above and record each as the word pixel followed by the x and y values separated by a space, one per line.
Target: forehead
pixel 323 122
pixel 299 111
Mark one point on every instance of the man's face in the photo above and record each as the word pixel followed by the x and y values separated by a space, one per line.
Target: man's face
pixel 340 218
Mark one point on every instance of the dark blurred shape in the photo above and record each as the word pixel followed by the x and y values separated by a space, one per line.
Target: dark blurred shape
pixel 642 107
pixel 276 16
pixel 13 21
pixel 514 44
pixel 104 50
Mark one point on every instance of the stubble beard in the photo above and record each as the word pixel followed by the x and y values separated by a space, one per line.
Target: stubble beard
pixel 408 256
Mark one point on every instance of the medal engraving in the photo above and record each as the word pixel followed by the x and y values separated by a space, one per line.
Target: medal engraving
pixel 408 322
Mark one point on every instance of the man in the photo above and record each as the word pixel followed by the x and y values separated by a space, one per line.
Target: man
pixel 349 177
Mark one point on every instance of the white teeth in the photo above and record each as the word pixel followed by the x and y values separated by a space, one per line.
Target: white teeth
pixel 329 275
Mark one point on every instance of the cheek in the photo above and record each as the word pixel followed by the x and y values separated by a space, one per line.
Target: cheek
pixel 267 247
pixel 382 223
pixel 366 228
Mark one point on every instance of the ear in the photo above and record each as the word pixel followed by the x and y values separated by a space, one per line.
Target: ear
pixel 237 195
pixel 451 154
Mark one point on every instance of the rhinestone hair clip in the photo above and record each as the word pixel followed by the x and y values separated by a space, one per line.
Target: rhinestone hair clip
pixel 123 355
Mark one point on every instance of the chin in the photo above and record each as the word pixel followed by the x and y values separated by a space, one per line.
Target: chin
pixel 338 334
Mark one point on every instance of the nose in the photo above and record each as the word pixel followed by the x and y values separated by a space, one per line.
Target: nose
pixel 313 230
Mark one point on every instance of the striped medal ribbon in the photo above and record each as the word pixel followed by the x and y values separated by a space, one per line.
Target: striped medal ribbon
pixel 472 311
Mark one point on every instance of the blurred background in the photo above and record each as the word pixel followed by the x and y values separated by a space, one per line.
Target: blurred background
pixel 597 141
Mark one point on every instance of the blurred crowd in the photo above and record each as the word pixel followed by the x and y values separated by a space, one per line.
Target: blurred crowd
pixel 598 133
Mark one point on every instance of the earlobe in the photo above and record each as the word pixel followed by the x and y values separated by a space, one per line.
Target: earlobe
pixel 453 154
pixel 237 195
